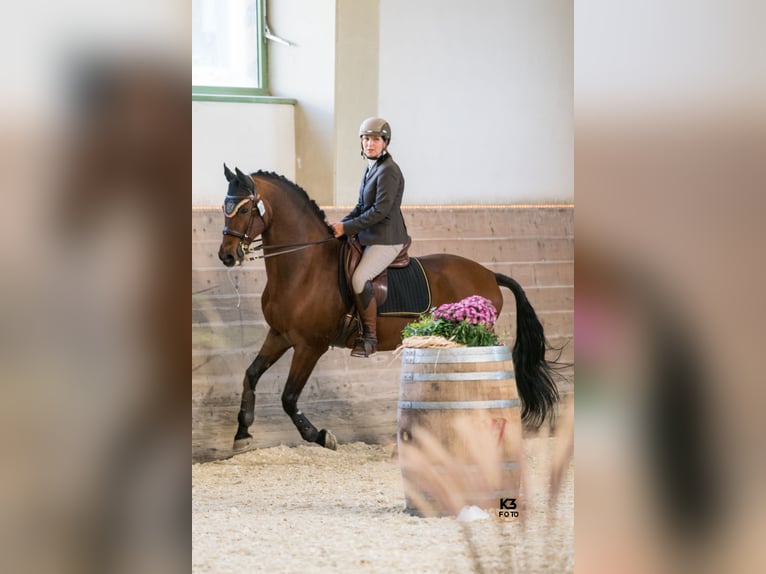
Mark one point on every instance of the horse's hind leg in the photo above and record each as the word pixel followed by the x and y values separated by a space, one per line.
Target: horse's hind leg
pixel 272 349
pixel 304 361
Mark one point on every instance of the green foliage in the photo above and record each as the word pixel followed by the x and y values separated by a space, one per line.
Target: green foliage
pixel 461 332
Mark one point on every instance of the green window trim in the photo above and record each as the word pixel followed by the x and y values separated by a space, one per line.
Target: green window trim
pixel 241 98
pixel 246 94
pixel 241 95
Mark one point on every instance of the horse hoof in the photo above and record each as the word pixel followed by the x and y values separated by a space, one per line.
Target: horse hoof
pixel 329 440
pixel 242 444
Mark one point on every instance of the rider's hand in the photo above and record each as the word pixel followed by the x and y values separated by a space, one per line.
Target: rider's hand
pixel 337 229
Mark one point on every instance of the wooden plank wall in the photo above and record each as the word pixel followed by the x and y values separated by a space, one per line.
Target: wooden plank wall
pixel 356 398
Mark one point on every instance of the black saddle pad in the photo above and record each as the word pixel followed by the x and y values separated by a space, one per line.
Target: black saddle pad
pixel 409 293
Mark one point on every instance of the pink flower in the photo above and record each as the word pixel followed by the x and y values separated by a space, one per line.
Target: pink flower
pixel 474 309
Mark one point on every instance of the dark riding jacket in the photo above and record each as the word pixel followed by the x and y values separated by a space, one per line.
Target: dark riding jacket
pixel 377 217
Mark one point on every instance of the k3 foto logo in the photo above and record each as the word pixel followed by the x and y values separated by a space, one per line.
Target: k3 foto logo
pixel 508 510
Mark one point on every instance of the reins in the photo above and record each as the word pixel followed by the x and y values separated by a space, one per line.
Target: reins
pixel 288 248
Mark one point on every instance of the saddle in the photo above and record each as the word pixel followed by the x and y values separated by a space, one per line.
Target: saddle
pixel 353 254
pixel 411 294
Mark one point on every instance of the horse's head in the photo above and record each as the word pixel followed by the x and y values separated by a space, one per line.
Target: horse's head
pixel 245 217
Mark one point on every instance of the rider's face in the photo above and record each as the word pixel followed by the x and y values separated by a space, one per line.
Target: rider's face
pixel 373 146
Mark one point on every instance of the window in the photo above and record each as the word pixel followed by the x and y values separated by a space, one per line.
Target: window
pixel 228 50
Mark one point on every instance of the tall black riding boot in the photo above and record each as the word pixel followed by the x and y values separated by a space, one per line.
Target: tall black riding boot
pixel 367 344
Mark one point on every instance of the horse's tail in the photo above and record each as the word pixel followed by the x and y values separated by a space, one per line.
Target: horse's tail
pixel 534 375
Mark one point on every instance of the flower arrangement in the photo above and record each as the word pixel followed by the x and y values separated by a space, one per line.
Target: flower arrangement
pixel 468 322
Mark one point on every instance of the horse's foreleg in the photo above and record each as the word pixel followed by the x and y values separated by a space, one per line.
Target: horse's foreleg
pixel 304 361
pixel 272 349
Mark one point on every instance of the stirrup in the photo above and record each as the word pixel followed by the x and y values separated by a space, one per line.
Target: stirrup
pixel 365 347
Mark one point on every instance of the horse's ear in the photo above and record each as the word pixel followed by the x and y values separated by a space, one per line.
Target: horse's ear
pixel 245 180
pixel 228 173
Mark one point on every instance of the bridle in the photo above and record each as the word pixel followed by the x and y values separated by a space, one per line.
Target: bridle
pixel 230 209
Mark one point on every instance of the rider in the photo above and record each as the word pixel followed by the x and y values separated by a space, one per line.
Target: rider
pixel 377 220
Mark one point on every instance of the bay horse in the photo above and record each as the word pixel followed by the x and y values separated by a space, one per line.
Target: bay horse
pixel 303 305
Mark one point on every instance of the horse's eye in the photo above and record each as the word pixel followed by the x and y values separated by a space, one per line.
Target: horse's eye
pixel 243 210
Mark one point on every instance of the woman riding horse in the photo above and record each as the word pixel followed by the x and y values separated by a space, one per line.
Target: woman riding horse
pixel 303 305
pixel 377 220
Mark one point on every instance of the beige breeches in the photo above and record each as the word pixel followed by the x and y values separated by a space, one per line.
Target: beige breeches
pixel 374 260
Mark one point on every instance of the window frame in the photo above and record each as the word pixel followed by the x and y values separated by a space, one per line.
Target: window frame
pixel 243 94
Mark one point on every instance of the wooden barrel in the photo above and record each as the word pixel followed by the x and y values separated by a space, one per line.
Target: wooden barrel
pixel 458 429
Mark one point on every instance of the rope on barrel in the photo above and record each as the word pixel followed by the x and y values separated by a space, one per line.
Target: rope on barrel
pixel 430 341
pixel 425 342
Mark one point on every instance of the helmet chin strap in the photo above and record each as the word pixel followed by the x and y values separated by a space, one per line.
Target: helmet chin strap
pixel 384 152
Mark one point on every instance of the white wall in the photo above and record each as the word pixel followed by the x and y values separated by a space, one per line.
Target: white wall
pixel 249 136
pixel 306 72
pixel 356 90
pixel 479 96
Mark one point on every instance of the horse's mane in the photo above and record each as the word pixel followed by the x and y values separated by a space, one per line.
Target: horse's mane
pixel 297 189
